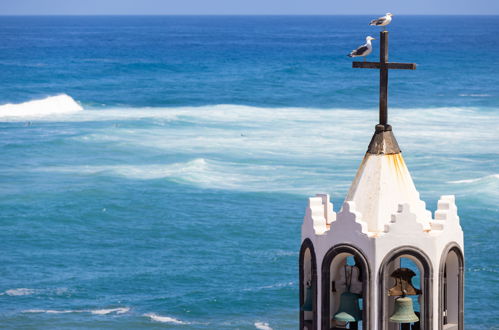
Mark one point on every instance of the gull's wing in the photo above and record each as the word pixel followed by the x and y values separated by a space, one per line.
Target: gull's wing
pixel 378 21
pixel 359 51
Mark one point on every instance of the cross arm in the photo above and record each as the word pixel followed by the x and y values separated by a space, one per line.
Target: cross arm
pixel 377 65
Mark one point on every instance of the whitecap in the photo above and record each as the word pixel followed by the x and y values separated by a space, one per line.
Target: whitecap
pixel 488 177
pixel 272 286
pixel 262 326
pixel 28 292
pixel 120 310
pixel 199 171
pixel 164 319
pixel 51 311
pixel 49 106
pixel 20 292
pixel 291 150
pixel 475 95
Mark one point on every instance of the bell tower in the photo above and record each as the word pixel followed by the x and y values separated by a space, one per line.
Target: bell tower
pixel 383 261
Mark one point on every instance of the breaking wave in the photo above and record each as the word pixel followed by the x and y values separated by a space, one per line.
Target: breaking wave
pixel 29 292
pixel 492 177
pixel 164 319
pixel 119 310
pixel 475 95
pixel 245 148
pixel 273 286
pixel 51 106
pixel 19 292
pixel 51 311
pixel 262 326
pixel 207 173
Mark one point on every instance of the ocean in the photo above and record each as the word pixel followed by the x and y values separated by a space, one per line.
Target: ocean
pixel 155 170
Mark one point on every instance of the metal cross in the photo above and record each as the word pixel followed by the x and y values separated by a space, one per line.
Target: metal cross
pixel 383 65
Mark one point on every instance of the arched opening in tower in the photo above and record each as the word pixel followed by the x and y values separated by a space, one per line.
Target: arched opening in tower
pixel 308 287
pixel 405 291
pixel 345 289
pixel 451 284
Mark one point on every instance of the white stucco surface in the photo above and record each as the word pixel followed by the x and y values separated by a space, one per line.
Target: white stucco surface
pixel 381 184
pixel 382 212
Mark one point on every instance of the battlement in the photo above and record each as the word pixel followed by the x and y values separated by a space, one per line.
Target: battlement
pixel 446 214
pixel 319 214
pixel 320 218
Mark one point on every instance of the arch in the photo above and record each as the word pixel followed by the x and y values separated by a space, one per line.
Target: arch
pixel 451 248
pixel 326 283
pixel 426 317
pixel 308 245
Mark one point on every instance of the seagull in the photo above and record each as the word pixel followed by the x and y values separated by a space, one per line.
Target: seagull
pixel 382 21
pixel 363 50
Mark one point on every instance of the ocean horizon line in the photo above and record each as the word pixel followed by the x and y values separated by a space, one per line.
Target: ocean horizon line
pixel 242 15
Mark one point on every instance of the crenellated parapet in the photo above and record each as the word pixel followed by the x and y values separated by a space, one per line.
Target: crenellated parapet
pixel 348 222
pixel 318 215
pixel 446 213
pixel 404 222
pixel 320 218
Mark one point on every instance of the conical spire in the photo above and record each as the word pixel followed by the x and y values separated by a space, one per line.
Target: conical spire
pixel 383 182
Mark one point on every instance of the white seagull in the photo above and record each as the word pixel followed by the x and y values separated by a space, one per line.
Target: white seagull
pixel 382 21
pixel 363 50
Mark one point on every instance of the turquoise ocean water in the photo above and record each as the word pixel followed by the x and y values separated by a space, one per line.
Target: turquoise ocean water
pixel 155 170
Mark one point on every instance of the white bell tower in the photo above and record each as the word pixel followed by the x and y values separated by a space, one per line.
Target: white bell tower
pixel 383 261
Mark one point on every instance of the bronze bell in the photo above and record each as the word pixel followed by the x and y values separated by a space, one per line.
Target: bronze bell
pixel 307 305
pixel 349 310
pixel 404 312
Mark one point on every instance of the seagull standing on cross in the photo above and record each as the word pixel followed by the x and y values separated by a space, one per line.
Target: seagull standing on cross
pixel 363 50
pixel 383 65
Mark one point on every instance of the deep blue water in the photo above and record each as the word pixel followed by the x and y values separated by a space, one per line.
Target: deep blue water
pixel 162 177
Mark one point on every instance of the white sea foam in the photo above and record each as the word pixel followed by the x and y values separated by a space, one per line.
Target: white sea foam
pixel 242 130
pixel 475 95
pixel 201 172
pixel 119 310
pixel 272 286
pixel 48 107
pixel 20 292
pixel 164 319
pixel 262 326
pixel 290 150
pixel 28 292
pixel 484 178
pixel 51 311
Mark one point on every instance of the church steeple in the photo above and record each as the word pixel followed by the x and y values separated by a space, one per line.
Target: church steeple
pixel 357 265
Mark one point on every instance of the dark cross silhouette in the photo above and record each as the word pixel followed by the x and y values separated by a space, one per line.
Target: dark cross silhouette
pixel 383 65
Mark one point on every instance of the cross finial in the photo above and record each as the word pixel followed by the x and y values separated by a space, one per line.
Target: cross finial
pixel 383 65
